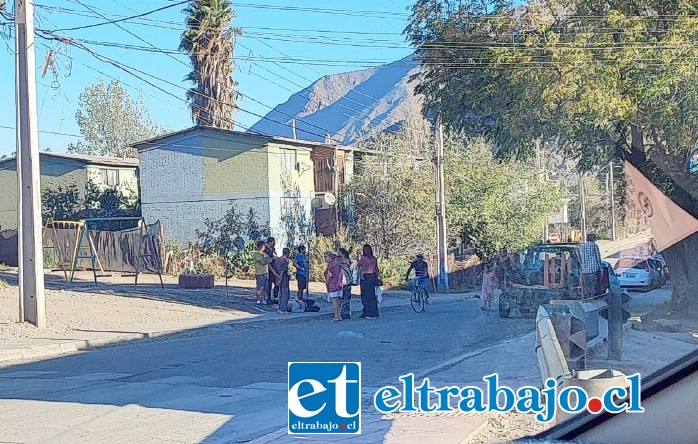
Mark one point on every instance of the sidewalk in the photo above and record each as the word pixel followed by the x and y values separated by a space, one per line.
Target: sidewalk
pixel 516 363
pixel 82 316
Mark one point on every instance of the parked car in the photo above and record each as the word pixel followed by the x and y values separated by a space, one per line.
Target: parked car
pixel 639 272
pixel 660 265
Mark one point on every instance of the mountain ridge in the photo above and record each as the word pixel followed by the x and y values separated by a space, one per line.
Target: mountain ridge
pixel 348 105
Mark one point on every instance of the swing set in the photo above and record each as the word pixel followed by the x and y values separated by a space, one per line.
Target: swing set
pixel 84 248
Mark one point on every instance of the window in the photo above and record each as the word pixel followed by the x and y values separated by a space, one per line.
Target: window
pixel 288 160
pixel 109 177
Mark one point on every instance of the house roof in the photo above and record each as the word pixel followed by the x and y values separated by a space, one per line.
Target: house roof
pixel 150 143
pixel 88 159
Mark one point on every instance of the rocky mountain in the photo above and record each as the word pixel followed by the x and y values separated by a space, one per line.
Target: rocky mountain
pixel 348 105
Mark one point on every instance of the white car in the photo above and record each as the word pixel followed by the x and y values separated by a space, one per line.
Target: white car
pixel 636 272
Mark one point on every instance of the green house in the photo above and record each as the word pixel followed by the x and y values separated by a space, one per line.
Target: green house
pixel 63 169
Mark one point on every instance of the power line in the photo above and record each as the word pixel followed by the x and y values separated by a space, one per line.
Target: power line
pixel 128 69
pixel 210 97
pixel 115 21
pixel 45 132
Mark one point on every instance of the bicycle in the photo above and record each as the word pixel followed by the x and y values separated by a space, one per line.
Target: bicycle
pixel 419 299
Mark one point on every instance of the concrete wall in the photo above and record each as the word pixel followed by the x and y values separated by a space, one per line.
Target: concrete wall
pixel 291 192
pixel 54 172
pixel 199 176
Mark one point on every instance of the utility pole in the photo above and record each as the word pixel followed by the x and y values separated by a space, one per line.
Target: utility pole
pixel 32 301
pixel 613 201
pixel 583 207
pixel 541 173
pixel 335 187
pixel 442 245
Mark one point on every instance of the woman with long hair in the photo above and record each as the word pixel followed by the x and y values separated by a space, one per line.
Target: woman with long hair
pixel 369 272
pixel 333 281
pixel 345 264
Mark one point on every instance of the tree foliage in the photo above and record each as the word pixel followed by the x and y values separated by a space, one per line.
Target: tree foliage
pixel 490 204
pixel 392 194
pixel 493 204
pixel 110 120
pixel 601 80
pixel 68 202
pixel 210 40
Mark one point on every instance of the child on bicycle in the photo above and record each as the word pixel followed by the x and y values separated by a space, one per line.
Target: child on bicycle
pixel 421 273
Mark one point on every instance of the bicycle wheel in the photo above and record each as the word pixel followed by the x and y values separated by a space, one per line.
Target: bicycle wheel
pixel 417 301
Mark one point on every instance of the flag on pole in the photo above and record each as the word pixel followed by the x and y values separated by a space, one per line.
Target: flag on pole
pixel 670 223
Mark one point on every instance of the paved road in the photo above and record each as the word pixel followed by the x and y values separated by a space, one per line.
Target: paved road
pixel 228 386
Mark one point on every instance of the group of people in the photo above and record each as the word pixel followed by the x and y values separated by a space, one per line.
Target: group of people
pixel 273 277
pixel 342 273
pixel 273 274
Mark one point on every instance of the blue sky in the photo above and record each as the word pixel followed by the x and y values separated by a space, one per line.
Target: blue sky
pixel 321 36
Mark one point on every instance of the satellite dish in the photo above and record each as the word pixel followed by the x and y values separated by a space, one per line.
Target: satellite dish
pixel 330 199
pixel 239 243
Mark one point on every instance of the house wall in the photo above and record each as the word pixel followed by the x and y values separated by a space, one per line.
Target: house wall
pixel 128 179
pixel 199 176
pixel 292 188
pixel 54 172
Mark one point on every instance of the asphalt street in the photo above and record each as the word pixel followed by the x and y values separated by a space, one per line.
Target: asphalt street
pixel 238 374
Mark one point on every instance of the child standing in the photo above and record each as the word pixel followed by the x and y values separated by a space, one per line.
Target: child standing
pixel 488 284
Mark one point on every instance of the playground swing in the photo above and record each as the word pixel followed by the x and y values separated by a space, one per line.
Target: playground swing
pixel 84 247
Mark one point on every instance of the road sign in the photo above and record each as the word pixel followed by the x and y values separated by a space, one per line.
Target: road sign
pixel 554 237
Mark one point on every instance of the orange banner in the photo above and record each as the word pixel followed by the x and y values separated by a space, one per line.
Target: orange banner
pixel 670 223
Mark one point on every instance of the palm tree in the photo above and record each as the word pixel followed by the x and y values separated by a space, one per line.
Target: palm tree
pixel 210 40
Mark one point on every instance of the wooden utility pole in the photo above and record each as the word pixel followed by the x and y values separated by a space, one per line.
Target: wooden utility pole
pixel 583 208
pixel 32 301
pixel 442 245
pixel 613 201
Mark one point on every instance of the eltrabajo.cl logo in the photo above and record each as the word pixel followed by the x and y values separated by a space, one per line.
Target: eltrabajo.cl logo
pixel 324 398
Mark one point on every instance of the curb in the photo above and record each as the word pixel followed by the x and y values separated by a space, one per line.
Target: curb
pixel 78 345
pixel 264 439
pixel 458 359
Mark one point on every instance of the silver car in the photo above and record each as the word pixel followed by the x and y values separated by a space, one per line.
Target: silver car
pixel 637 272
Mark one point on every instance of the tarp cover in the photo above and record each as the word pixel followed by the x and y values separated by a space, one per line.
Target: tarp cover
pixel 120 251
pixel 8 248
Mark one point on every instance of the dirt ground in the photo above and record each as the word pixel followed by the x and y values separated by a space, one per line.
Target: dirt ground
pixel 116 305
pixel 501 428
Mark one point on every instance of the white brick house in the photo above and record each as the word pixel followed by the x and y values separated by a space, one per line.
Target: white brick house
pixel 198 173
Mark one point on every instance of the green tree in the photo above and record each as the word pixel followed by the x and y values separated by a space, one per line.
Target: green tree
pixel 110 120
pixel 210 40
pixel 493 204
pixel 600 80
pixel 392 194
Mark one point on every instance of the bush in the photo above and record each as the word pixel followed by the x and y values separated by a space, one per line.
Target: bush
pixel 319 245
pixel 392 269
pixel 215 251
